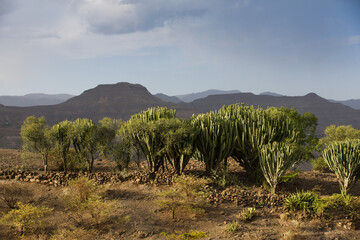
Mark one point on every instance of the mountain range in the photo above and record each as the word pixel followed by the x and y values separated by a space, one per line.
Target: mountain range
pixel 122 100
pixel 34 99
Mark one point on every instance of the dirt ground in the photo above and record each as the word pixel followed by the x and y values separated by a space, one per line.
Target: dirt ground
pixel 147 220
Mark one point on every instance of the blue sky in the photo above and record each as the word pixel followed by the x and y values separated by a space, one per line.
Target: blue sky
pixel 181 46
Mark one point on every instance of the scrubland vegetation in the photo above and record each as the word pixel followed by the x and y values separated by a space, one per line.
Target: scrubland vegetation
pixel 201 154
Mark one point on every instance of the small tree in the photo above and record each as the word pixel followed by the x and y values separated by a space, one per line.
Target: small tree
pixel 62 133
pixel 85 139
pixel 147 131
pixel 343 158
pixel 36 137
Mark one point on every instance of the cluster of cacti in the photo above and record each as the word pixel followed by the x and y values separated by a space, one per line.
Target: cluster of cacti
pixel 343 158
pixel 215 138
pixel 254 128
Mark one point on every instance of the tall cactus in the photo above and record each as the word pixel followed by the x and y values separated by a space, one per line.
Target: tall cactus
pixel 275 159
pixel 343 158
pixel 215 138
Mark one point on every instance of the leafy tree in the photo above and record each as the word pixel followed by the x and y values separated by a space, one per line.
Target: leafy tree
pixel 85 139
pixel 179 144
pixel 147 131
pixel 62 133
pixel 36 137
pixel 338 133
pixel 333 134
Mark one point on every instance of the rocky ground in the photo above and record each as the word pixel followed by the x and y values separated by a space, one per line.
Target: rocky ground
pixel 135 195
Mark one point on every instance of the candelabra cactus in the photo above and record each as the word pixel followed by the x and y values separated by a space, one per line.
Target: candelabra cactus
pixel 215 138
pixel 343 158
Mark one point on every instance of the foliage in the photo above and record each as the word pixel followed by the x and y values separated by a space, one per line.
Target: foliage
pixel 83 201
pixel 79 192
pixel 255 128
pixel 275 159
pixel 320 165
pixel 215 138
pixel 85 139
pixel 344 159
pixel 180 142
pixel 335 133
pixel 62 133
pixel 247 214
pixel 232 227
pixel 289 177
pixel 36 137
pixel 305 201
pixel 160 136
pixel 186 193
pixel 191 235
pixel 27 218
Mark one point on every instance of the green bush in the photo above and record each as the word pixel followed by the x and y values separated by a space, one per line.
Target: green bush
pixel 27 218
pixel 320 165
pixel 306 201
pixel 232 227
pixel 247 214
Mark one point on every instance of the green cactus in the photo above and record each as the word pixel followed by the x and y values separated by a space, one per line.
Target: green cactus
pixel 275 159
pixel 215 138
pixel 255 128
pixel 343 158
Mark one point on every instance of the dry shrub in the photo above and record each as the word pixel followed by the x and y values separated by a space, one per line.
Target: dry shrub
pixel 85 204
pixel 11 192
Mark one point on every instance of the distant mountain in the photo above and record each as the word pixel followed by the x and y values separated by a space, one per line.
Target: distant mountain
pixel 271 94
pixel 193 96
pixel 167 98
pixel 327 112
pixel 353 103
pixel 122 100
pixel 34 99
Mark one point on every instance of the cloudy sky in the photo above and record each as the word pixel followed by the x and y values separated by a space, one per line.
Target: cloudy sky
pixel 181 46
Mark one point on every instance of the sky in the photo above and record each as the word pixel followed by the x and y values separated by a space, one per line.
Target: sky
pixel 181 46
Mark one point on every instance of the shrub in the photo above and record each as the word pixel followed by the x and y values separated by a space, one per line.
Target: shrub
pixel 27 218
pixel 84 202
pixel 232 227
pixel 247 214
pixel 10 194
pixel 320 165
pixel 302 201
pixel 185 193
